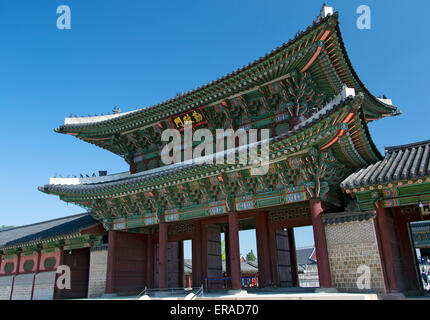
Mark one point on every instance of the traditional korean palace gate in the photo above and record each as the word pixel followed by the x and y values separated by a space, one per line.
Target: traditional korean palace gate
pixel 316 108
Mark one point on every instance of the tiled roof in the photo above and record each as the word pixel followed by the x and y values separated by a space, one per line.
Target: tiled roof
pixel 337 103
pixel 404 162
pixel 45 230
pixel 114 118
pixel 304 256
pixel 182 99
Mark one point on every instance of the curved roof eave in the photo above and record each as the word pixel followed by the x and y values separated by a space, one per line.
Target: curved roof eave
pixel 126 178
pixel 394 110
pixel 390 110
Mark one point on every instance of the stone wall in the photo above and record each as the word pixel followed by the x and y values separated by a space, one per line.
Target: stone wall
pixel 351 245
pixel 98 268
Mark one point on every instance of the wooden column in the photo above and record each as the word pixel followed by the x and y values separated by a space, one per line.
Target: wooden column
pixel 197 255
pixel 236 277
pixel 263 251
pixel 293 257
pixel 110 272
pixel 320 243
pixel 162 255
pixel 385 246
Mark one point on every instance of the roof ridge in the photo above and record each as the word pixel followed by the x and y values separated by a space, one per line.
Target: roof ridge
pixel 52 220
pixel 406 146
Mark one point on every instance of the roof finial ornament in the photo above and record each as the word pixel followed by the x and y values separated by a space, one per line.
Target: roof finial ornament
pixel 325 11
pixel 116 110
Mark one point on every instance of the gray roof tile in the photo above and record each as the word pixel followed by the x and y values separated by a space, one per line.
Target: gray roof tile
pixel 403 162
pixel 46 229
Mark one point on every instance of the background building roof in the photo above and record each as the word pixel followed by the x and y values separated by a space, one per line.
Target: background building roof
pixel 304 255
pixel 46 229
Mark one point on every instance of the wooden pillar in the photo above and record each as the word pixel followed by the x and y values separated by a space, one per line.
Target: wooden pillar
pixel 320 243
pixel 180 264
pixel 197 255
pixel 236 277
pixel 385 246
pixel 110 272
pixel 263 251
pixel 162 255
pixel 293 257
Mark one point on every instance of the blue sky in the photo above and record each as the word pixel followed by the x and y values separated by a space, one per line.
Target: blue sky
pixel 134 54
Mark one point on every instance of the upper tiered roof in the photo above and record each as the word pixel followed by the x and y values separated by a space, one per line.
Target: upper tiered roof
pixel 319 50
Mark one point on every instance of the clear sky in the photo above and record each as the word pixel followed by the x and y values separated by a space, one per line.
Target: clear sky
pixel 134 54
